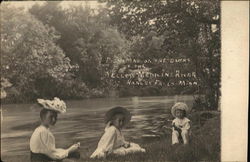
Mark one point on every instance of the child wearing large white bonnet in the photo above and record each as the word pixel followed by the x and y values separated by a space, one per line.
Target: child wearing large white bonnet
pixel 42 141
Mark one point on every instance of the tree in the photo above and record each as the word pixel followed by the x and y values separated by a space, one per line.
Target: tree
pixel 86 38
pixel 29 54
pixel 188 28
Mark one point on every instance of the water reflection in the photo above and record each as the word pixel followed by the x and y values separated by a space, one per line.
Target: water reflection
pixel 83 121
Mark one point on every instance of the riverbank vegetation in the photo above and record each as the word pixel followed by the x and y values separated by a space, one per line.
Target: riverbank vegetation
pixel 49 50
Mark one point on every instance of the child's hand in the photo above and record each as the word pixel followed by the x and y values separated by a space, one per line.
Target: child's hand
pixel 126 145
pixel 176 128
pixel 74 147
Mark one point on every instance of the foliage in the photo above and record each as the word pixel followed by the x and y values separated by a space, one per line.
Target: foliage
pixel 4 84
pixel 86 39
pixel 74 48
pixel 29 52
pixel 175 28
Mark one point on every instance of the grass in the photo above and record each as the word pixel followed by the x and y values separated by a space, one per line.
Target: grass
pixel 204 146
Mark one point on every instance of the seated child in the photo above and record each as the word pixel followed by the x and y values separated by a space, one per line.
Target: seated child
pixel 112 141
pixel 180 124
pixel 42 142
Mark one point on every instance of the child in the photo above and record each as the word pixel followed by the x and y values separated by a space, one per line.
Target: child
pixel 42 142
pixel 181 124
pixel 112 141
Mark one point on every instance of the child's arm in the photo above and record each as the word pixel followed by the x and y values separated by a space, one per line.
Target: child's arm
pixel 106 143
pixel 176 128
pixel 186 126
pixel 108 140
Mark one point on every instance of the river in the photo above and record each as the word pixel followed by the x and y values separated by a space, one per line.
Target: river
pixel 83 121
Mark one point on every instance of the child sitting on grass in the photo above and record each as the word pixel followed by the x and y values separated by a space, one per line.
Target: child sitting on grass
pixel 112 141
pixel 181 124
pixel 42 141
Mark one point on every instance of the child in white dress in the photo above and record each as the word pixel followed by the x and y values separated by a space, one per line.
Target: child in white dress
pixel 112 141
pixel 181 124
pixel 42 141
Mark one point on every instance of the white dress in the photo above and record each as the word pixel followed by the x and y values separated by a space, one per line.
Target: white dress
pixel 43 141
pixel 112 142
pixel 184 125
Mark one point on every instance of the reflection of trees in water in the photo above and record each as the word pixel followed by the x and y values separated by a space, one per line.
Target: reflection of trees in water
pixel 149 119
pixel 150 115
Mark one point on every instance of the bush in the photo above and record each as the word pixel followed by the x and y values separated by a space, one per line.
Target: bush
pixel 72 89
pixel 96 93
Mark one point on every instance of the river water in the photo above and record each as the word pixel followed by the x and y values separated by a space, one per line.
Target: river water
pixel 83 121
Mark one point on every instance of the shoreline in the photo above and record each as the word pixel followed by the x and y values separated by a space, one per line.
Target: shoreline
pixel 160 149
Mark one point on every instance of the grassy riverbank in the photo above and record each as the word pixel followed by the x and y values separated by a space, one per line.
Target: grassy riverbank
pixel 204 146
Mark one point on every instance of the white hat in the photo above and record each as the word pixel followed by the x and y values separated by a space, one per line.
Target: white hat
pixel 179 106
pixel 56 104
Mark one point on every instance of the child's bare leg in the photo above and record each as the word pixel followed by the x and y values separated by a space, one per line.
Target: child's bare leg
pixel 185 136
pixel 175 136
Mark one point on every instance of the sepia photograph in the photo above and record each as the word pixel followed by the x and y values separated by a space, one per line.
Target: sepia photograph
pixel 120 81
